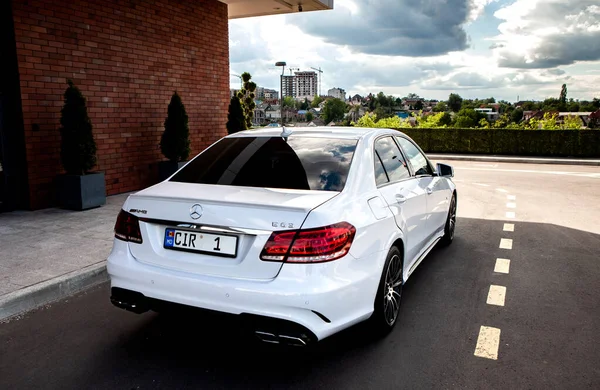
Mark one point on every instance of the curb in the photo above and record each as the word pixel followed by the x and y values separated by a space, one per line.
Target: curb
pixel 29 298
pixel 522 160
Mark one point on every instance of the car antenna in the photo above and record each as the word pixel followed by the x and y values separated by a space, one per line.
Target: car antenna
pixel 285 133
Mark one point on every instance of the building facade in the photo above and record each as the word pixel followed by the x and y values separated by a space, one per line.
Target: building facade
pixel 337 93
pixel 266 94
pixel 288 87
pixel 127 58
pixel 306 85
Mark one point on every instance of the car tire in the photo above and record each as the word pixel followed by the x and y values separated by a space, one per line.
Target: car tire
pixel 389 294
pixel 450 223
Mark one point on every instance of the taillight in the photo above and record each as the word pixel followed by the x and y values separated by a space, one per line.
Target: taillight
pixel 127 227
pixel 310 245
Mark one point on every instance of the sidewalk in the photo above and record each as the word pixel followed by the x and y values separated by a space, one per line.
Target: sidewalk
pixel 515 159
pixel 48 254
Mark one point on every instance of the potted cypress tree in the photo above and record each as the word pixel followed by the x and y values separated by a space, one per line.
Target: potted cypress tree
pixel 79 188
pixel 175 141
pixel 236 118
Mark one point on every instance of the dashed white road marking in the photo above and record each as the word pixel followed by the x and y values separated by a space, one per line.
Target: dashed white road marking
pixel 511 197
pixel 510 214
pixel 496 296
pixel 502 266
pixel 581 174
pixel 506 243
pixel 488 343
pixel 501 190
pixel 481 185
pixel 511 205
pixel 509 227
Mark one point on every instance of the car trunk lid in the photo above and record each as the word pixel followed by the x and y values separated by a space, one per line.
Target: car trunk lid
pixel 248 214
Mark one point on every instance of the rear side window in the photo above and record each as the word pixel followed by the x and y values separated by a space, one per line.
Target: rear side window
pixel 389 163
pixel 271 162
pixel 416 158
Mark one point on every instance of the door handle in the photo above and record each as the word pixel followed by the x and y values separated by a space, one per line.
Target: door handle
pixel 400 198
pixel 429 191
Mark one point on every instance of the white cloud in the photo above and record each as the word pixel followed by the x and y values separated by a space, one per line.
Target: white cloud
pixel 478 7
pixel 548 33
pixel 257 43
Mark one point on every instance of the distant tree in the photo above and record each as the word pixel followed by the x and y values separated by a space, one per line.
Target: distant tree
pixel 236 119
pixel 530 106
pixel 419 105
pixel 563 94
pixel 412 96
pixel 247 96
pixel 309 116
pixel 505 108
pixel 468 118
pixel 440 107
pixel 445 119
pixel 289 102
pixel 596 103
pixel 382 112
pixel 316 101
pixel 586 106
pixel 398 101
pixel 305 105
pixel 503 121
pixel 455 102
pixel 429 121
pixel 551 104
pixel 517 115
pixel 572 122
pixel 573 106
pixel 334 110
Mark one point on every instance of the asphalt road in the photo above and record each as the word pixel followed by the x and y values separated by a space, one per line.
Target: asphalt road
pixel 549 323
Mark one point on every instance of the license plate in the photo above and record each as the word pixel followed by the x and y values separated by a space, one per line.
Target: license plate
pixel 201 242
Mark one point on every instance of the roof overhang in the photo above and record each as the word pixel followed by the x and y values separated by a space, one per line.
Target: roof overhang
pixel 249 8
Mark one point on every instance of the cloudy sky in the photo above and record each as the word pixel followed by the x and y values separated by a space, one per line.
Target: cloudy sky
pixel 477 48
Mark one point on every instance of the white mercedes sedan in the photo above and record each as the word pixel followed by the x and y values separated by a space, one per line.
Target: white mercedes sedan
pixel 297 232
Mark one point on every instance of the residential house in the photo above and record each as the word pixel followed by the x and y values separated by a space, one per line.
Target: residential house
pixel 490 113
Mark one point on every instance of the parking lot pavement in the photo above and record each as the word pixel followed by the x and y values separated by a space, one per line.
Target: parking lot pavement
pixel 513 303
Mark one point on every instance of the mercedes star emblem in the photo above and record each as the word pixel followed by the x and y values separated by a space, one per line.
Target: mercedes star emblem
pixel 196 211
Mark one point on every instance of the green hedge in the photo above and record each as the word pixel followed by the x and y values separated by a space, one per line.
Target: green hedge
pixel 559 143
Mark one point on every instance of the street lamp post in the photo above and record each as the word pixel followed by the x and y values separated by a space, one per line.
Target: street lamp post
pixel 282 64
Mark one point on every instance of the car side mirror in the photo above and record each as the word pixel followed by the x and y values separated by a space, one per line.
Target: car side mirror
pixel 445 170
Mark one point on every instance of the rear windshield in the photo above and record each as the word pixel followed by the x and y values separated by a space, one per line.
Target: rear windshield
pixel 272 162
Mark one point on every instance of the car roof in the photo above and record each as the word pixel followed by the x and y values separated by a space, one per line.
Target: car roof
pixel 322 131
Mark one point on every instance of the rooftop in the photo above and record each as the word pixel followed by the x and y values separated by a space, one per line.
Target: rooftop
pixel 250 8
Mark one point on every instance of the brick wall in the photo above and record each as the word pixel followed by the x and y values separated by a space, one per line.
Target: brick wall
pixel 127 57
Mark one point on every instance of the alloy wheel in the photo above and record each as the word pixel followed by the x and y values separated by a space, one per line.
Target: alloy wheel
pixel 452 218
pixel 392 290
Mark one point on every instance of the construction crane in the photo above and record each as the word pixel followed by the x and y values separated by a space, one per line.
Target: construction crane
pixel 320 81
pixel 293 69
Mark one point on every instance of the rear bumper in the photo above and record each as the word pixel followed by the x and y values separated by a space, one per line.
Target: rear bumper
pixel 321 298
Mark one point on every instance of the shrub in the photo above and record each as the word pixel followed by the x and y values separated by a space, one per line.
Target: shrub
pixel 175 141
pixel 77 147
pixel 236 119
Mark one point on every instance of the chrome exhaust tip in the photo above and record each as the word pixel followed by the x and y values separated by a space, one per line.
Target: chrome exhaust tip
pixel 273 338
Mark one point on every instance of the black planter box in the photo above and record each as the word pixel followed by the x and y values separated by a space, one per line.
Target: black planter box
pixel 81 192
pixel 168 168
